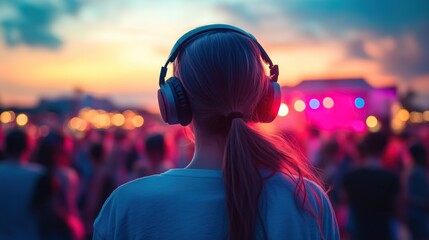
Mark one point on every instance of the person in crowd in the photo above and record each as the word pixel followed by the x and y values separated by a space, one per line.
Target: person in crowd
pixel 328 159
pixel 18 180
pixel 418 193
pixel 154 160
pixel 116 158
pixel 372 192
pixel 101 185
pixel 58 190
pixel 82 163
pixel 240 184
pixel 156 151
pixel 342 152
pixel 314 145
pixel 2 154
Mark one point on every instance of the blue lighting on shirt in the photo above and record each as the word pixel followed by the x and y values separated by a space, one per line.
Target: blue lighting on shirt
pixel 314 103
pixel 359 102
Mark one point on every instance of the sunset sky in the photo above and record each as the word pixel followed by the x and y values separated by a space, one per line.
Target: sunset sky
pixel 114 48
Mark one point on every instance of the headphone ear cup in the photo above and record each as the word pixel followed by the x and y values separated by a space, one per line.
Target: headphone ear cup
pixel 164 94
pixel 173 103
pixel 268 106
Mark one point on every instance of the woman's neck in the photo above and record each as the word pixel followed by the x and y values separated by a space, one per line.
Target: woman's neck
pixel 209 150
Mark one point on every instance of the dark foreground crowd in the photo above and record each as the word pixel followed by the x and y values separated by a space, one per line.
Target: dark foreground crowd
pixel 53 185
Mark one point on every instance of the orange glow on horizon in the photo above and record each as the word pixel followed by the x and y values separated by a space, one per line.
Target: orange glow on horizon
pixel 96 69
pixel 101 63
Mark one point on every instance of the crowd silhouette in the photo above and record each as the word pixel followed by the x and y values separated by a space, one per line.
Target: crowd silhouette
pixel 54 186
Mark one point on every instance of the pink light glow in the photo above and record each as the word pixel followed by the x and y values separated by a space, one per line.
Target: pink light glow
pixel 336 110
pixel 358 126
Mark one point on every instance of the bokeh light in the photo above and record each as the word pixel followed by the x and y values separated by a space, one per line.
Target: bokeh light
pixel 78 124
pixel 314 103
pixel 283 110
pixel 7 117
pixel 118 119
pixel 416 117
pixel 359 102
pixel 129 114
pixel 328 102
pixel 102 120
pixel 299 105
pixel 21 119
pixel 426 116
pixel 137 121
pixel 371 121
pixel 403 115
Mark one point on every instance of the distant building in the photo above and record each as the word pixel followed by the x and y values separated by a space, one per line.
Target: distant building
pixel 336 104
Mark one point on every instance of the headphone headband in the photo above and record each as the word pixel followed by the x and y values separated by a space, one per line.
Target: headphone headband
pixel 191 35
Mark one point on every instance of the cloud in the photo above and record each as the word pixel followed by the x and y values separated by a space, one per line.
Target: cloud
pixel 392 34
pixel 338 16
pixel 72 6
pixel 356 49
pixel 410 57
pixel 404 54
pixel 240 11
pixel 31 22
pixel 362 24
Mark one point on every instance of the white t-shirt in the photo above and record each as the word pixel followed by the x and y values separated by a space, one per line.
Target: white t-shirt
pixel 190 204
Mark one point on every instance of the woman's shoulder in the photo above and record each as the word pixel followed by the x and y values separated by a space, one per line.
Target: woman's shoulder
pixel 290 186
pixel 140 185
pixel 291 182
pixel 288 195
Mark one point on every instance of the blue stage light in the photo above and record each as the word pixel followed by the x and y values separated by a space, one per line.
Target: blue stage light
pixel 359 102
pixel 314 103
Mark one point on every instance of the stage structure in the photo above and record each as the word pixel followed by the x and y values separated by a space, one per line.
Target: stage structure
pixel 332 104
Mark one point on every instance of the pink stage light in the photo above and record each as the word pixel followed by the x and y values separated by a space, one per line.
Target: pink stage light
pixel 328 102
